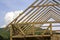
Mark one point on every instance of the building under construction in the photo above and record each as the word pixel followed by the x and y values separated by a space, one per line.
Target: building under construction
pixel 29 24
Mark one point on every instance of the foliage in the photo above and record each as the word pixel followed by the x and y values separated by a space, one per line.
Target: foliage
pixel 4 34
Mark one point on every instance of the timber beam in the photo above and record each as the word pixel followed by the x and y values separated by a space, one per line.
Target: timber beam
pixel 46 5
pixel 40 22
pixel 18 36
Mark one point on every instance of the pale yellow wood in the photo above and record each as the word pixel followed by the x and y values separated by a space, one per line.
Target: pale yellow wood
pixel 51 28
pixel 46 30
pixel 33 29
pixel 19 29
pixel 10 32
pixel 31 36
pixel 33 12
pixel 32 19
pixel 20 14
pixel 37 12
pixel 41 22
pixel 47 5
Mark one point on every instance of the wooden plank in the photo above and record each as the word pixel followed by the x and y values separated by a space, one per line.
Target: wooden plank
pixel 31 36
pixel 51 28
pixel 31 13
pixel 28 13
pixel 55 37
pixel 29 29
pixel 10 32
pixel 40 22
pixel 20 14
pixel 33 29
pixel 17 26
pixel 45 30
pixel 34 14
pixel 35 19
pixel 37 12
pixel 47 5
pixel 44 18
pixel 40 16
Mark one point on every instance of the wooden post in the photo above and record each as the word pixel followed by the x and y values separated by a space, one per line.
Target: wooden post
pixel 51 30
pixel 33 29
pixel 45 30
pixel 10 32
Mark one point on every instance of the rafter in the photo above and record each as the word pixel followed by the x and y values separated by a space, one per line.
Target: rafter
pixel 36 14
pixel 21 14
pixel 31 14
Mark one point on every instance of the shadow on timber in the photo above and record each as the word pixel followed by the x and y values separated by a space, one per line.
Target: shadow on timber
pixel 33 38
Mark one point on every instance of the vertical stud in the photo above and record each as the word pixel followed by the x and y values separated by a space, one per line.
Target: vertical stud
pixel 10 32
